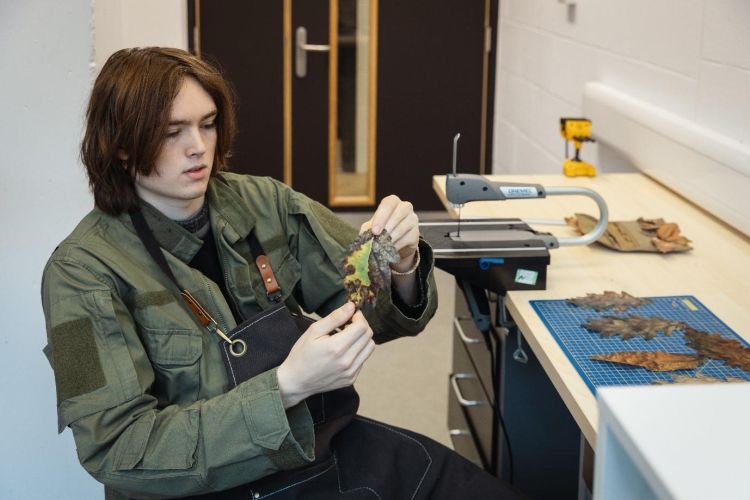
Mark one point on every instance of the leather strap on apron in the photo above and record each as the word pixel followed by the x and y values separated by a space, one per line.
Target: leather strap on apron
pixel 263 263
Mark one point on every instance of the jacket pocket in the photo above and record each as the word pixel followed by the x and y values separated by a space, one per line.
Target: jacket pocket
pixel 147 445
pixel 288 274
pixel 175 357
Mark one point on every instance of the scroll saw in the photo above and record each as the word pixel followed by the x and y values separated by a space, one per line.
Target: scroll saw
pixel 499 254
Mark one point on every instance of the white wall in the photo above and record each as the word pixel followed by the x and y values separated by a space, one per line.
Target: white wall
pixel 47 66
pixel 138 23
pixel 690 57
pixel 45 49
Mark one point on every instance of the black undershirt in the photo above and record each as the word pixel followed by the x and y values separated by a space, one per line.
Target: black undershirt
pixel 207 262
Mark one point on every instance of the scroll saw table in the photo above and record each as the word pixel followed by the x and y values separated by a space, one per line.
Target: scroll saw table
pixel 716 272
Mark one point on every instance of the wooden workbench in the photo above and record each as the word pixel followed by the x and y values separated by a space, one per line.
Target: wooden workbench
pixel 717 271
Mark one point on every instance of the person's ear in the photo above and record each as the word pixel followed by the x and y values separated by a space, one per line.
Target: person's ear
pixel 123 157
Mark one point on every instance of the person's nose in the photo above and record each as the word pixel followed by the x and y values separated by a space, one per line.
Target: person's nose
pixel 197 145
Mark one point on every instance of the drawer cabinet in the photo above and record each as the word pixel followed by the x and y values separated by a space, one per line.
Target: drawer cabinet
pixel 544 439
pixel 467 391
pixel 471 339
pixel 461 434
pixel 471 395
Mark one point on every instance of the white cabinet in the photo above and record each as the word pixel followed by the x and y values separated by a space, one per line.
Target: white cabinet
pixel 673 442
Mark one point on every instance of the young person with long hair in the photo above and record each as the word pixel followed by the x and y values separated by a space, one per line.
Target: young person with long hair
pixel 141 375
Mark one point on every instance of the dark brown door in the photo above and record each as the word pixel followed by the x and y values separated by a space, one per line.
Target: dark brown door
pixel 430 80
pixel 310 110
pixel 431 83
pixel 246 39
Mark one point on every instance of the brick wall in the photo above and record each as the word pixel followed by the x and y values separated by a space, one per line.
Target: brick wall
pixel 690 57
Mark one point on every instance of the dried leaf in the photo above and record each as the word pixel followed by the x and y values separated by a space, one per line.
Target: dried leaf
pixel 698 379
pixel 608 301
pixel 649 225
pixel 663 246
pixel 658 361
pixel 681 241
pixel 634 235
pixel 632 326
pixel 668 231
pixel 357 279
pixel 665 236
pixel 367 266
pixel 713 345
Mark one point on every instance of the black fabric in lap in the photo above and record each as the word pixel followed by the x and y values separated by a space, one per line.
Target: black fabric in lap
pixel 372 460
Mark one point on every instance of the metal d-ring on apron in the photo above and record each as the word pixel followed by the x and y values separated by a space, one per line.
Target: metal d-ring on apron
pixel 238 347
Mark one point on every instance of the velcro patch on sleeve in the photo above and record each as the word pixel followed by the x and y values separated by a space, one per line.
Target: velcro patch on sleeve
pixel 78 369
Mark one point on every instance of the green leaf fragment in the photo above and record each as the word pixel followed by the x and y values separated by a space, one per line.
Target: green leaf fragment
pixel 367 267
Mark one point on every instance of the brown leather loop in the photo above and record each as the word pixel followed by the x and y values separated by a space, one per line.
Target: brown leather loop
pixel 269 279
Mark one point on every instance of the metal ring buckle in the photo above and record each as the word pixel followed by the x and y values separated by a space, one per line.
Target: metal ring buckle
pixel 242 345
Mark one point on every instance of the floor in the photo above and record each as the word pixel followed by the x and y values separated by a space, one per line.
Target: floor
pixel 405 382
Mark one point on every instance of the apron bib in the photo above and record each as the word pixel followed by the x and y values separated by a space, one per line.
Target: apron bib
pixel 268 337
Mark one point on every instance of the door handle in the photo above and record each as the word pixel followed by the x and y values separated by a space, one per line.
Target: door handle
pixel 301 50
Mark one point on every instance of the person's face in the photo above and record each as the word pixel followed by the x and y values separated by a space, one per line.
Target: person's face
pixel 178 183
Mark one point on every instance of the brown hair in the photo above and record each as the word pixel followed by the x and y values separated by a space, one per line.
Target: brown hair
pixel 128 115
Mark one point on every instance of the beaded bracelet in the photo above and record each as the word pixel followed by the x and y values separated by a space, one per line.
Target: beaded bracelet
pixel 411 270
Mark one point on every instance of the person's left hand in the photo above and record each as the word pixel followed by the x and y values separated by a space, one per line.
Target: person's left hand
pixel 398 218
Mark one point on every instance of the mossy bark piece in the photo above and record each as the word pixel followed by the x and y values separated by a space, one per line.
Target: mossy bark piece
pixel 633 326
pixel 608 301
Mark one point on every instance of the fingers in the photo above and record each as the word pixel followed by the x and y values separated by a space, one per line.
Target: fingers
pixel 406 233
pixel 335 319
pixel 353 358
pixel 395 216
pixel 359 361
pixel 390 213
pixel 383 213
pixel 364 355
pixel 347 338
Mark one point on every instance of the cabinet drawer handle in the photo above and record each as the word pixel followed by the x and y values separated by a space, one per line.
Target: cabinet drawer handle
pixel 465 338
pixel 461 400
pixel 455 433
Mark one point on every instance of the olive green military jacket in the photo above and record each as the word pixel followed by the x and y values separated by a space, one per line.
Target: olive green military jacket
pixel 142 384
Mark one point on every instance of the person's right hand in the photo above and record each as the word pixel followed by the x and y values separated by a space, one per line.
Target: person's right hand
pixel 319 362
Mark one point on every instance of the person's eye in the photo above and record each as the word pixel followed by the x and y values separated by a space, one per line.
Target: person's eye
pixel 173 133
pixel 209 125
